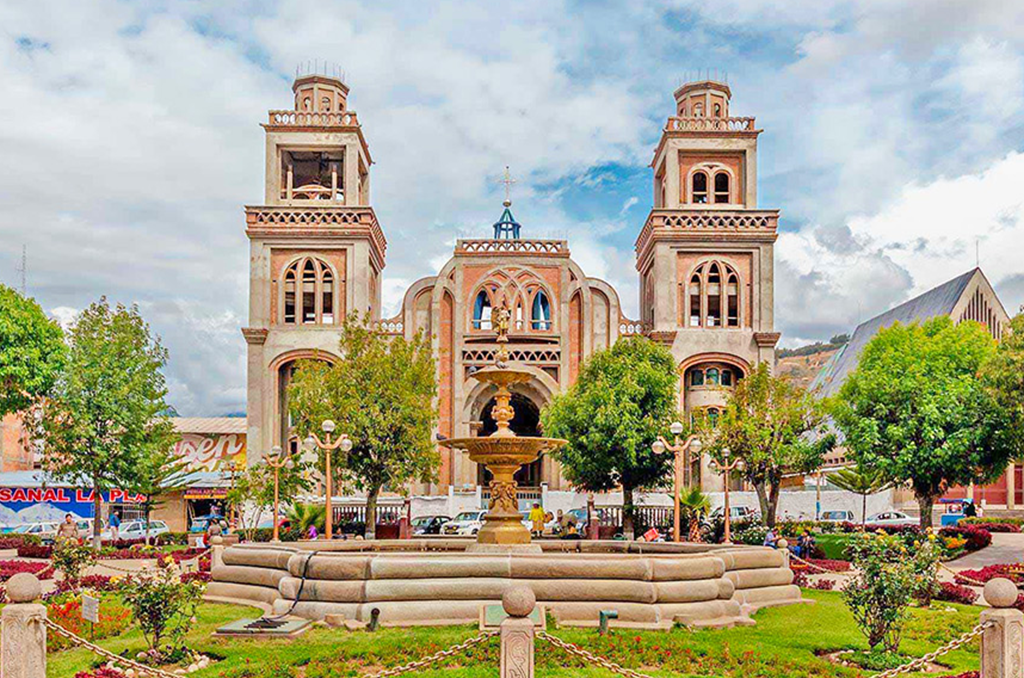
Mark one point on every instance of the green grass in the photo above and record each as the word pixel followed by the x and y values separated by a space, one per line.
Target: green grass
pixel 782 644
pixel 833 545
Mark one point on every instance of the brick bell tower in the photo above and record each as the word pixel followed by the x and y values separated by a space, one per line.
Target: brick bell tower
pixel 705 254
pixel 316 250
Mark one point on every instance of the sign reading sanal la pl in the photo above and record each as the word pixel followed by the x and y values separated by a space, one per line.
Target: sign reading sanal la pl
pixel 20 505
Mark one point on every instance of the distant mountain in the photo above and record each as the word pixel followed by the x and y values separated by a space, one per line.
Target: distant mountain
pixel 803 368
pixel 8 516
pixel 234 415
pixel 42 513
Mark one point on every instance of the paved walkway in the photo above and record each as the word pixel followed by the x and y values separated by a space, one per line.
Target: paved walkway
pixel 1006 547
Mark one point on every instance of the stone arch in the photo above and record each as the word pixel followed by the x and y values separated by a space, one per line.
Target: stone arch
pixel 336 280
pixel 520 295
pixel 281 370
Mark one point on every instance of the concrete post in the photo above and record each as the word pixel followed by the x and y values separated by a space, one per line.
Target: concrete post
pixel 517 633
pixel 22 637
pixel 216 551
pixel 1002 645
pixel 783 546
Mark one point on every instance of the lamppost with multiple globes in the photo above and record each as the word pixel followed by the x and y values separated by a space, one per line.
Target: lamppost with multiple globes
pixel 277 461
pixel 692 444
pixel 724 467
pixel 345 444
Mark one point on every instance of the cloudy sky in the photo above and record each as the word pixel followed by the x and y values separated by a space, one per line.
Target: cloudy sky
pixel 129 137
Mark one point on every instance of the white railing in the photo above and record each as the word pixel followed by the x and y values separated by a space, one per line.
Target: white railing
pixel 710 125
pixel 313 119
pixel 491 246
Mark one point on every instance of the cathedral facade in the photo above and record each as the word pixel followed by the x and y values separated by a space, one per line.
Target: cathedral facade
pixel 704 257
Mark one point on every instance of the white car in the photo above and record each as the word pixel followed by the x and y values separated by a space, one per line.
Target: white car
pixel 466 524
pixel 837 517
pixel 136 529
pixel 892 518
pixel 42 530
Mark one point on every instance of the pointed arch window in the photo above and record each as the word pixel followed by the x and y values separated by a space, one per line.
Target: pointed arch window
pixel 699 186
pixel 309 293
pixel 722 187
pixel 698 110
pixel 482 311
pixel 541 312
pixel 718 110
pixel 713 297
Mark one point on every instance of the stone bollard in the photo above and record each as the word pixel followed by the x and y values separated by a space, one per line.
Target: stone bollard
pixel 22 638
pixel 517 633
pixel 783 546
pixel 1002 645
pixel 216 547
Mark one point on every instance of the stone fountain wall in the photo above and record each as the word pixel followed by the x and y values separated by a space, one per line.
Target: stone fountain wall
pixel 657 586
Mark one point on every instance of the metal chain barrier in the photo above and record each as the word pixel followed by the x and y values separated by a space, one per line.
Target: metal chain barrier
pixel 115 568
pixel 436 657
pixel 957 575
pixel 590 657
pixel 922 661
pixel 115 659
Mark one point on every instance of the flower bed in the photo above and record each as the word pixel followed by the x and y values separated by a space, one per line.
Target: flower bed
pixel 102 672
pixel 954 593
pixel 95 582
pixel 976 537
pixel 114 619
pixel 30 550
pixel 992 526
pixel 830 565
pixel 9 568
pixel 1010 571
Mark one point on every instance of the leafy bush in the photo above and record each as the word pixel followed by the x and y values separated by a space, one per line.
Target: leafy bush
pixel 888 576
pixel 954 593
pixel 13 541
pixel 9 568
pixel 34 550
pixel 67 612
pixel 94 582
pixel 977 537
pixel 750 533
pixel 70 556
pixel 991 524
pixel 163 606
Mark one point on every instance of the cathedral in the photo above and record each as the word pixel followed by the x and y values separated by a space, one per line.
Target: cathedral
pixel 704 257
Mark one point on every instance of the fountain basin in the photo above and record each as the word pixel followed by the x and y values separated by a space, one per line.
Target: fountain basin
pixel 439 582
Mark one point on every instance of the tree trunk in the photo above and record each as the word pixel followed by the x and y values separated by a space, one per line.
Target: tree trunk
pixel 627 513
pixel 925 503
pixel 148 511
pixel 97 509
pixel 773 504
pixel 371 512
pixel 864 512
pixel 762 500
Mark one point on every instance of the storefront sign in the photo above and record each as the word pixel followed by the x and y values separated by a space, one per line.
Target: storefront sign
pixel 50 504
pixel 206 493
pixel 211 452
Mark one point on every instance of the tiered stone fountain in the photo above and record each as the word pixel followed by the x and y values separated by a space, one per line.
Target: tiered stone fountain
pixel 433 581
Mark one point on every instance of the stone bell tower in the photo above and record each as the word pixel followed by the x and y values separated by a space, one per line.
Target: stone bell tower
pixel 705 254
pixel 316 248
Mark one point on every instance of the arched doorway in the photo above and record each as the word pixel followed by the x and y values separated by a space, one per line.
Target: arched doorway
pixel 526 422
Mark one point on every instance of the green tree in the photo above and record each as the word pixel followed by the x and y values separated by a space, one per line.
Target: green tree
pixel 864 482
pixel 251 494
pixel 103 418
pixel 623 398
pixel 158 475
pixel 694 505
pixel 772 424
pixel 301 516
pixel 31 352
pixel 1003 374
pixel 381 394
pixel 916 410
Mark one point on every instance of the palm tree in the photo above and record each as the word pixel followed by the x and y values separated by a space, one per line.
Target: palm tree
pixel 859 481
pixel 693 506
pixel 301 516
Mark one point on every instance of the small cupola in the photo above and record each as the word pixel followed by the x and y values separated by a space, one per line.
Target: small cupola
pixel 703 99
pixel 320 93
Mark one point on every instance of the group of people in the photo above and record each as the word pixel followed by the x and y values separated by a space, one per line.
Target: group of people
pixel 803 547
pixel 561 524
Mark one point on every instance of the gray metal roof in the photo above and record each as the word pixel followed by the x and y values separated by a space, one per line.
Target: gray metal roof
pixel 933 303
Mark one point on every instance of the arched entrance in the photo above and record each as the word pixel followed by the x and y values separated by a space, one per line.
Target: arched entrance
pixel 526 422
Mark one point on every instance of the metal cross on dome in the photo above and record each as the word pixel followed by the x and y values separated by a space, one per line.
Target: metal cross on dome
pixel 508 181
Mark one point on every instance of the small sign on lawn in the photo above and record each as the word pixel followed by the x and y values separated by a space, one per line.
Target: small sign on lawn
pixel 91 609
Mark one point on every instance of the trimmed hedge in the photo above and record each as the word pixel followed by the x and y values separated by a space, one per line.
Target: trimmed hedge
pixel 954 593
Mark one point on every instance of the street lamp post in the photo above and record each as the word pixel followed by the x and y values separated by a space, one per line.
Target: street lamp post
pixel 329 446
pixel 725 467
pixel 692 444
pixel 277 461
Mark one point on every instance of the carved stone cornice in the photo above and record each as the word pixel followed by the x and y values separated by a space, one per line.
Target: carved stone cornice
pixel 667 337
pixel 767 339
pixel 255 335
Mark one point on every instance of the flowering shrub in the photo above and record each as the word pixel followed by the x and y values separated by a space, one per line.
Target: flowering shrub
pixel 70 556
pixel 13 541
pixel 67 612
pixel 954 593
pixel 888 576
pixel 31 550
pixel 985 522
pixel 976 537
pixel 1011 572
pixel 163 605
pixel 990 526
pixel 9 568
pixel 93 582
pixel 830 565
pixel 102 672
pixel 201 577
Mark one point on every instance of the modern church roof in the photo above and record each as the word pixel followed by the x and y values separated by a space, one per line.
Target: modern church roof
pixel 938 301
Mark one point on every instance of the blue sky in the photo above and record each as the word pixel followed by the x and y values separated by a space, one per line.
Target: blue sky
pixel 892 142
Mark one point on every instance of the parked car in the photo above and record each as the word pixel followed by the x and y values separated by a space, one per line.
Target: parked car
pixel 735 513
pixel 45 531
pixel 466 524
pixel 429 524
pixel 136 529
pixel 84 527
pixel 892 518
pixel 200 523
pixel 837 517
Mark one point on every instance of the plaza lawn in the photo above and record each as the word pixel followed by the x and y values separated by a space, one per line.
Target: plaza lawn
pixel 783 643
pixel 834 545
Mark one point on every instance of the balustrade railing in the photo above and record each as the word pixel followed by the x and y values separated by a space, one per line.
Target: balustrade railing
pixel 703 124
pixel 491 246
pixel 313 119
